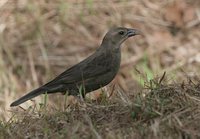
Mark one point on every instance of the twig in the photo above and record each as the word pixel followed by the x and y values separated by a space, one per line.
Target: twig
pixel 163 76
pixel 88 119
pixel 194 22
pixel 32 66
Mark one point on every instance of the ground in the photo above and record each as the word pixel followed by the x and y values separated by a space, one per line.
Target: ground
pixel 155 95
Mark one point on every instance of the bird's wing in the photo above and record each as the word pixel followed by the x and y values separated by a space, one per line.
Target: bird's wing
pixel 93 66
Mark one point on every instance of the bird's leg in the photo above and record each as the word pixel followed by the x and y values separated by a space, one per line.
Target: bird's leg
pixel 65 99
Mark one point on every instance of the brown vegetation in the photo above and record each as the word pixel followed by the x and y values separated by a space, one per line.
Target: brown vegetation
pixel 40 39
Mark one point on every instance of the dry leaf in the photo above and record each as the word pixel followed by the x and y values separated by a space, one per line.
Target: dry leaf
pixel 179 13
pixel 160 38
pixel 189 14
pixel 173 13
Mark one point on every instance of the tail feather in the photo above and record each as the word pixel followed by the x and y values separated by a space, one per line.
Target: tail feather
pixel 28 96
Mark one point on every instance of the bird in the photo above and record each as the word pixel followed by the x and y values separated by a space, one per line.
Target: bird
pixel 92 73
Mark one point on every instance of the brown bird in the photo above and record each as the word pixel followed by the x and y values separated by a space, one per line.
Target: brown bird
pixel 92 73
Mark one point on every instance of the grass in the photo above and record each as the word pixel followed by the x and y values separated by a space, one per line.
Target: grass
pixel 143 67
pixel 164 111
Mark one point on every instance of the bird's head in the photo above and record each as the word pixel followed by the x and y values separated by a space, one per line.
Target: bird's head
pixel 116 36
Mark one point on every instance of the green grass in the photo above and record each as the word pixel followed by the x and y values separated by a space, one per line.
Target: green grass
pixel 143 73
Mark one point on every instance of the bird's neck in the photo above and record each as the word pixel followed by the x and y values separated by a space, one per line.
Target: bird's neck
pixel 111 53
pixel 110 49
pixel 109 45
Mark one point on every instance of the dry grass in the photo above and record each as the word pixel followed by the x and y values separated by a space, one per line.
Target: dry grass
pixel 39 39
pixel 164 111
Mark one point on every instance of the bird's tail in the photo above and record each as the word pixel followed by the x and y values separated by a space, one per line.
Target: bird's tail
pixel 28 96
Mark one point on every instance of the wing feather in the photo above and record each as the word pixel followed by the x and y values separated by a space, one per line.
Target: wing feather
pixel 93 66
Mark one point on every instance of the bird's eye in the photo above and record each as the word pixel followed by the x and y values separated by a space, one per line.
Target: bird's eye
pixel 121 33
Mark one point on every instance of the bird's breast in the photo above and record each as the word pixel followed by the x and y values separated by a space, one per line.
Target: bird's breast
pixel 115 60
pixel 101 70
pixel 112 62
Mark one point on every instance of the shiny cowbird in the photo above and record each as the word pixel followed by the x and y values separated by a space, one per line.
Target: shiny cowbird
pixel 92 73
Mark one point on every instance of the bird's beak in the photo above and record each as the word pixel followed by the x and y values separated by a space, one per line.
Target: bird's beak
pixel 133 32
